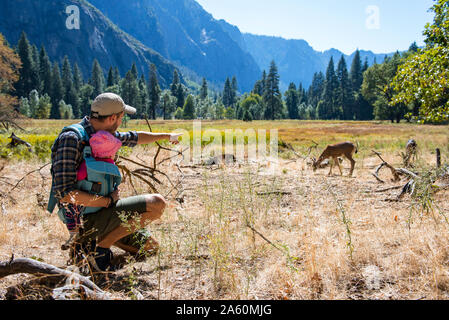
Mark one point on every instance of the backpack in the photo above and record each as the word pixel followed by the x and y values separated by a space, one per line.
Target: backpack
pixel 102 177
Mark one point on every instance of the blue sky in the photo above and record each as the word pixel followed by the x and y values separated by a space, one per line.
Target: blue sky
pixel 379 25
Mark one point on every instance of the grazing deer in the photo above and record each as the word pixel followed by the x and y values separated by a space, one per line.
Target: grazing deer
pixel 334 151
pixel 410 153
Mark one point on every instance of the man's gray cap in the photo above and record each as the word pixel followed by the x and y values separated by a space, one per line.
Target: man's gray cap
pixel 108 103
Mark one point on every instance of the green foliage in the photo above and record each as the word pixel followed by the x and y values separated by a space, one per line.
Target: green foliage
pixel 376 89
pixel 40 148
pixel 130 89
pixel 203 90
pixel 272 96
pixel 292 101
pixel 179 114
pixel 229 94
pixel 168 104
pixel 327 108
pixel 229 113
pixel 423 79
pixel 43 108
pixel 97 80
pixel 29 73
pixel 247 116
pixel 65 110
pixel 24 107
pixel 57 91
pixel 189 108
pixel 154 91
pixel 344 102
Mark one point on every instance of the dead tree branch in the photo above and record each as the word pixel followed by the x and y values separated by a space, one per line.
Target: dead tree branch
pixel 25 265
pixel 36 170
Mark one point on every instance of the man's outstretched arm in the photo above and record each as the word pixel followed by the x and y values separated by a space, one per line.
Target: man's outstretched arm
pixel 150 137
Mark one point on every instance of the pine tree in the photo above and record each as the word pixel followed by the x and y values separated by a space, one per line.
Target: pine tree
pixel 110 81
pixel 168 104
pixel 29 75
pixel 316 89
pixel 325 108
pixel 130 90
pixel 143 99
pixel 134 71
pixel 67 78
pixel 203 90
pixel 227 94
pixel 292 101
pixel 97 80
pixel 177 90
pixel 154 91
pixel 70 92
pixel 413 47
pixel 116 76
pixel 44 72
pixel 365 66
pixel 180 95
pixel 272 94
pixel 174 85
pixel 189 108
pixel 343 103
pixel 74 101
pixel 77 78
pixel 85 98
pixel 57 91
pixel 35 54
pixel 356 75
pixel 234 90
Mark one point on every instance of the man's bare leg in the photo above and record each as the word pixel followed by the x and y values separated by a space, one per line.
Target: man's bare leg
pixel 151 247
pixel 155 205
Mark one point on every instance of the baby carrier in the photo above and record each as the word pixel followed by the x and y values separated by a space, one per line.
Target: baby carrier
pixel 102 177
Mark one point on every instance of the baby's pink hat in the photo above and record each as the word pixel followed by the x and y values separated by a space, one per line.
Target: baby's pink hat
pixel 104 144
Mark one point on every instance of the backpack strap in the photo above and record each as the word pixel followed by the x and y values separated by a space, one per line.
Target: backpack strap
pixel 79 130
pixel 82 134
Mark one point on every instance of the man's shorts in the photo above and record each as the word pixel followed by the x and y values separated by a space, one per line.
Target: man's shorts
pixel 97 225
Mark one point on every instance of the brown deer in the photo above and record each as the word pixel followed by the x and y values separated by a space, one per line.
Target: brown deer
pixel 334 151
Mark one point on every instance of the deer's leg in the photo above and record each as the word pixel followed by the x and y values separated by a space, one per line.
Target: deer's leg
pixel 331 164
pixel 349 157
pixel 339 165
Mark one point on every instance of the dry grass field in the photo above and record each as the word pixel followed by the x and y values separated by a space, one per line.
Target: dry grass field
pixel 262 230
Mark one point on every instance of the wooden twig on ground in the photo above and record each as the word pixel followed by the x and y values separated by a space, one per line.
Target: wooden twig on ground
pixel 388 189
pixel 39 170
pixel 273 192
pixel 263 237
pixel 25 265
pixel 394 172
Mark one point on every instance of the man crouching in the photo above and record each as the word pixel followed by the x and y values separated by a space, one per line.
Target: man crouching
pixel 118 222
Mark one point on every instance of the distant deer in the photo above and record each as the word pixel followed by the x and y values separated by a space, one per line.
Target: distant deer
pixel 410 153
pixel 334 151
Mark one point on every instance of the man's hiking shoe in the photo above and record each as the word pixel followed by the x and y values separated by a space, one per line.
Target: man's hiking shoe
pixel 79 251
pixel 101 259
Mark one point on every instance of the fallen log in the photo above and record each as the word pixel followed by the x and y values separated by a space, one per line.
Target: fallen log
pixel 25 265
pixel 15 141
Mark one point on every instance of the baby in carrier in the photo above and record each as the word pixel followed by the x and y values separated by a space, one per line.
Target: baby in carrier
pixel 104 146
